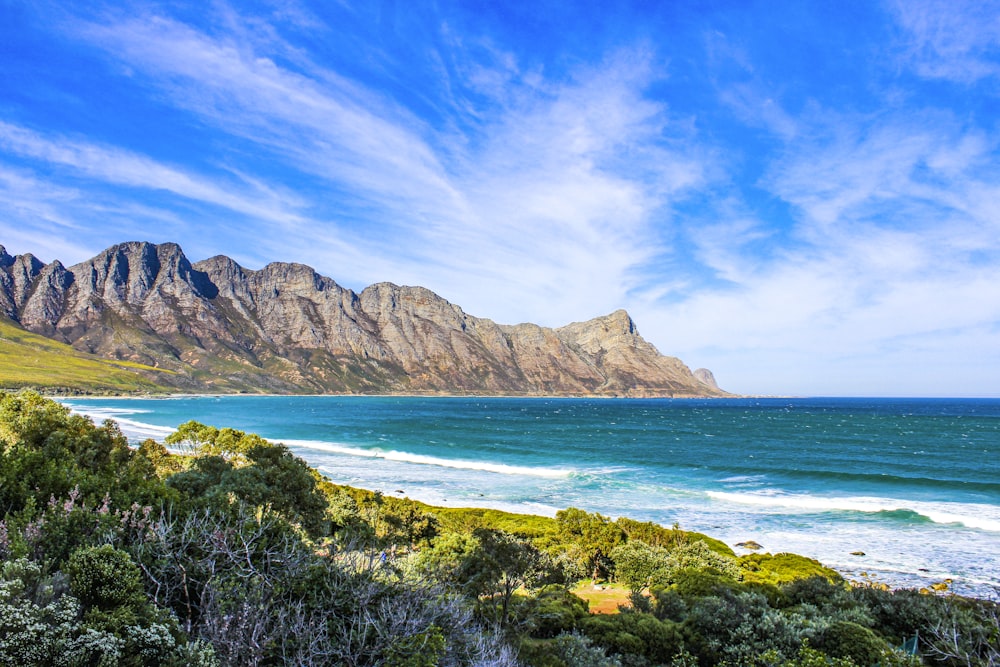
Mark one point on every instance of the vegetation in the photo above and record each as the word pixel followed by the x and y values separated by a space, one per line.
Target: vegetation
pixel 31 360
pixel 237 553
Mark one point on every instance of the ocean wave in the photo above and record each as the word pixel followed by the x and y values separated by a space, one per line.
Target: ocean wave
pixel 104 413
pixel 420 459
pixel 743 479
pixel 982 517
pixel 132 429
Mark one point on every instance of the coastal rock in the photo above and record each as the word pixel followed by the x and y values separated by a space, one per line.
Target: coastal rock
pixel 750 545
pixel 215 325
pixel 704 376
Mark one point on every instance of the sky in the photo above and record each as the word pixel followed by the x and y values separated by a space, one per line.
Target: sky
pixel 803 197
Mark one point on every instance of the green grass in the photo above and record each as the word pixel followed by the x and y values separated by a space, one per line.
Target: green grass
pixel 602 598
pixel 31 360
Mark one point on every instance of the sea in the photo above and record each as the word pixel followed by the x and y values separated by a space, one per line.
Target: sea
pixel 902 492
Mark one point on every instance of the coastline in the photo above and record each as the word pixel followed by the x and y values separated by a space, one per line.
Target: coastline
pixel 408 477
pixel 171 395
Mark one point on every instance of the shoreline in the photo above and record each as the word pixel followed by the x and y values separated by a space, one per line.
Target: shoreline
pixel 857 575
pixel 169 396
pixel 864 569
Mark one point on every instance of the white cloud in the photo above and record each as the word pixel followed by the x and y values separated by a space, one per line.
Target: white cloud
pixel 551 184
pixel 530 195
pixel 892 265
pixel 951 39
pixel 121 167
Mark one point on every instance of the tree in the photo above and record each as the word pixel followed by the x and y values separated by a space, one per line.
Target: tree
pixel 229 443
pixel 639 565
pixel 593 537
pixel 490 566
pixel 271 478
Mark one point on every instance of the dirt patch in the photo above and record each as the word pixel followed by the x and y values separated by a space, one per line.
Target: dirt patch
pixel 602 598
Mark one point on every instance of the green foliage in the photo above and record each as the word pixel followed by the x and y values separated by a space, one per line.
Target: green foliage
pixel 589 540
pixel 737 627
pixel 424 649
pixel 539 529
pixel 228 443
pixel 272 478
pixel 110 556
pixel 490 566
pixel 696 554
pixel 637 634
pixel 41 623
pixel 806 657
pixel 46 452
pixel 701 582
pixel 843 639
pixel 551 611
pixel 639 565
pixel 104 577
pixel 783 568
pixel 575 650
pixel 669 538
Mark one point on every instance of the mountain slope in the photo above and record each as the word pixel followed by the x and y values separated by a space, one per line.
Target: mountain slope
pixel 284 328
pixel 31 360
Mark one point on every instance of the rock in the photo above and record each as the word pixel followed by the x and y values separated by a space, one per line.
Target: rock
pixel 704 376
pixel 285 328
pixel 17 276
pixel 750 544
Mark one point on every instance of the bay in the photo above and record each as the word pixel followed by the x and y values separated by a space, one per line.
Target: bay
pixel 912 483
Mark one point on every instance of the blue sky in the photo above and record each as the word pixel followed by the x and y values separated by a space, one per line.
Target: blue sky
pixel 803 197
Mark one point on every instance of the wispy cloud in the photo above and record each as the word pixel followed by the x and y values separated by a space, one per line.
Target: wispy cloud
pixel 888 255
pixel 951 39
pixel 54 211
pixel 554 181
pixel 755 214
pixel 121 167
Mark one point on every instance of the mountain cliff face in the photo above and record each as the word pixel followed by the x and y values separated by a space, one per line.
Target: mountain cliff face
pixel 285 328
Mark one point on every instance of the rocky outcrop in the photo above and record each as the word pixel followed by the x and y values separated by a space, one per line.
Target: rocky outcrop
pixel 704 376
pixel 17 274
pixel 221 327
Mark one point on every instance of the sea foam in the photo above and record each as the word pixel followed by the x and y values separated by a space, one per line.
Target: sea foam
pixel 420 459
pixel 983 517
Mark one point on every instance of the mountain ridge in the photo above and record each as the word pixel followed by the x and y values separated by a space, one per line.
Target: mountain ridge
pixel 284 328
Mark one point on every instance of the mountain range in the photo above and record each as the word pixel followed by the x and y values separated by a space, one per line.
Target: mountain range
pixel 215 326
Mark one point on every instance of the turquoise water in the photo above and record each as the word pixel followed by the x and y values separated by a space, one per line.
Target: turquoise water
pixel 915 484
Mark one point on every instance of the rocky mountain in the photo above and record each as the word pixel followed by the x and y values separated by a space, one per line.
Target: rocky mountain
pixel 217 326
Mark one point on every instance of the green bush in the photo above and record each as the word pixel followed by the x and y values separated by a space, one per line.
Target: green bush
pixel 783 568
pixel 695 583
pixel 552 611
pixel 843 639
pixel 105 577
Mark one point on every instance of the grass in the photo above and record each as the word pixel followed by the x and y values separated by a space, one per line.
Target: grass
pixel 602 598
pixel 31 360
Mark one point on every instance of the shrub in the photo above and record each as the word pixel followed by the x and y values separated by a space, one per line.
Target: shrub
pixel 843 639
pixel 576 650
pixel 783 568
pixel 105 577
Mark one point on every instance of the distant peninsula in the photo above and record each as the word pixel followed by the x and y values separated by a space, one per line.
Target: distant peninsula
pixel 140 317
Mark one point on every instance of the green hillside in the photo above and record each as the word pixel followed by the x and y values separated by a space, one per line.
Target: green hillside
pixel 31 360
